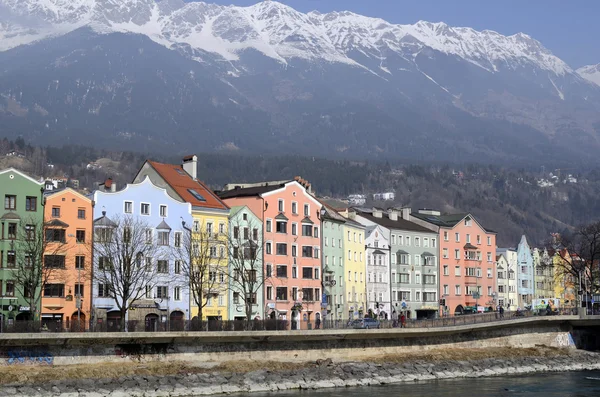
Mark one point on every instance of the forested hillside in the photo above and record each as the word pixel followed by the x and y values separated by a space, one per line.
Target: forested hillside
pixel 506 200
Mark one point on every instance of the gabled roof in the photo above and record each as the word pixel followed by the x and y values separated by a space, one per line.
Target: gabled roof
pixel 190 190
pixel 307 220
pixel 10 216
pixel 400 224
pixel 249 191
pixel 56 223
pixel 104 221
pixel 281 217
pixel 163 226
pixel 449 220
pixel 24 175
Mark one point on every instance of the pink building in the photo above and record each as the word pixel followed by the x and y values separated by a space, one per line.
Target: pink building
pixel 292 247
pixel 467 261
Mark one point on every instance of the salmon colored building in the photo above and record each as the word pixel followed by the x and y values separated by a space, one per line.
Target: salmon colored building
pixel 67 293
pixel 467 261
pixel 291 247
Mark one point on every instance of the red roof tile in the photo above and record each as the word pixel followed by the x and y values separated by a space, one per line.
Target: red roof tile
pixel 183 184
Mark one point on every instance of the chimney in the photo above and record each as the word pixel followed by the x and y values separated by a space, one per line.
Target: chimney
pixel 406 213
pixel 427 211
pixel 352 215
pixel 113 187
pixel 393 214
pixel 377 213
pixel 190 165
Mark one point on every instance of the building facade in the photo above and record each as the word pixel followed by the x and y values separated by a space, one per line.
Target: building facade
pixel 502 280
pixel 512 265
pixel 246 291
pixel 333 265
pixel 355 287
pixel 544 274
pixel 292 247
pixel 467 261
pixel 377 253
pixel 525 274
pixel 23 214
pixel 210 218
pixel 67 294
pixel 165 305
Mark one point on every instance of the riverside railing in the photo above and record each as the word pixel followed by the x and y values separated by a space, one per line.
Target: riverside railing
pixel 265 325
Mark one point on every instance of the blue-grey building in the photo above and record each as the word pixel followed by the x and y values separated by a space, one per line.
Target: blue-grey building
pixel 525 273
pixel 165 302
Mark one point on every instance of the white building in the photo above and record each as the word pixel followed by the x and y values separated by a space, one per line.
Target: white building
pixel 387 196
pixel 508 262
pixel 357 199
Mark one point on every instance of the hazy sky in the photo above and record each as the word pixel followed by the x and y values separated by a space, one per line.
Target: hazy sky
pixel 569 28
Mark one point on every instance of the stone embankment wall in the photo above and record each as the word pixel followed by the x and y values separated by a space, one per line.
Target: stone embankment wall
pixel 288 346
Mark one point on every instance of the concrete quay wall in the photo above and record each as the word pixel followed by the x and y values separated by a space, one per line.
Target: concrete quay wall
pixel 300 346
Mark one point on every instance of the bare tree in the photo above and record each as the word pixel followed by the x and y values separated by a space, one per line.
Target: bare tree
pixel 203 260
pixel 579 257
pixel 38 258
pixel 124 251
pixel 246 273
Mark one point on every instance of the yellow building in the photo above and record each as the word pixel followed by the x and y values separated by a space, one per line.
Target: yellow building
pixel 355 276
pixel 209 230
pixel 564 283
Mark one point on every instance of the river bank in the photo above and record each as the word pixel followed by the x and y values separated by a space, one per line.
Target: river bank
pixel 170 379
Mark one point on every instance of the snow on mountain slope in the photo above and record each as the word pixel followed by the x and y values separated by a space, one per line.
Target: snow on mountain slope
pixel 276 30
pixel 590 73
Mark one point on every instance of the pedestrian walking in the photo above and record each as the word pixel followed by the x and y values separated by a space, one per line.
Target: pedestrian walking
pixel 394 319
pixel 402 321
pixel 501 312
pixel 318 323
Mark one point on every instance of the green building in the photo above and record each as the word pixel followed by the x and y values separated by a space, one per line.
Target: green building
pixel 23 215
pixel 333 264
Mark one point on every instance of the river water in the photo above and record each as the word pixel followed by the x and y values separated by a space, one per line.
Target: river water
pixel 567 384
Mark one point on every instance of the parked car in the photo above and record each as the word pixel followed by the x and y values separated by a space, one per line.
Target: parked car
pixel 365 323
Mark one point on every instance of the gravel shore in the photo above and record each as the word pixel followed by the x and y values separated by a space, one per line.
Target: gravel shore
pixel 322 374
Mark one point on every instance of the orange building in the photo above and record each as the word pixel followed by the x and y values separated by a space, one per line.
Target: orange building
pixel 67 293
pixel 292 245
pixel 467 261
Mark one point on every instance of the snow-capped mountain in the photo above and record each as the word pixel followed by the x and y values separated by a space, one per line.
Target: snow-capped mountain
pixel 276 30
pixel 591 73
pixel 306 81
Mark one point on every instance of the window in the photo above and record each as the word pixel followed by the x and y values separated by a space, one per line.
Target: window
pixel 80 236
pixel 425 242
pixel 306 210
pixel 433 243
pixel 162 292
pixel 163 238
pixel 408 241
pixel 54 290
pixel 269 222
pixel 489 273
pixel 10 288
pixel 30 203
pixel 236 232
pixel 489 291
pixel 307 273
pixel 469 238
pixel 402 259
pixel 456 254
pixel 417 278
pixel 81 213
pixel 307 295
pixel 163 211
pixel 249 253
pixel 294 229
pixel 55 235
pixel 103 263
pixel 10 202
pixel 177 267
pixel 446 270
pixel 56 212
pixel 269 270
pixel 457 271
pixel 457 290
pixel 417 242
pixel 281 293
pixel 145 209
pixel 428 279
pixel 281 227
pixel 294 251
pixel 457 237
pixel 446 289
pixel 177 239
pixel 445 236
pixel 80 262
pixel 294 208
pixel 268 248
pixel 196 226
pixel 471 272
pixel 30 232
pixel 307 230
pixel 54 261
pixel 212 252
pixel 177 293
pixel 316 252
pixel 307 251
pixel 418 296
pixel 294 272
pixel 282 271
pixel 162 266
pixel 280 206
pixel 244 216
pixel 489 241
pixel 489 256
pixel 404 278
pixel 246 233
pixel 79 290
pixel 128 207
pixel 255 234
pixel 281 248
pixel 222 227
pixel 501 289
pixel 196 195
pixel 478 239
pixel 103 290
pixel 209 228
pixel 468 222
pixel 12 231
pixel 269 293
pixel 445 252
